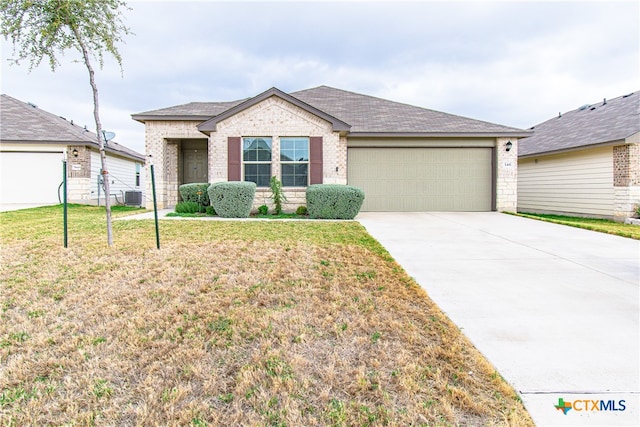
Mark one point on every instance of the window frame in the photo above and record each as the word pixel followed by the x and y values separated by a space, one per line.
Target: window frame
pixel 245 162
pixel 294 162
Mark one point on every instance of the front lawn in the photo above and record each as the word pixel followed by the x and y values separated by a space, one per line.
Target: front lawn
pixel 231 323
pixel 601 225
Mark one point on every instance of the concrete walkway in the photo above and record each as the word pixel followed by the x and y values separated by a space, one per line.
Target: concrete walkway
pixel 555 309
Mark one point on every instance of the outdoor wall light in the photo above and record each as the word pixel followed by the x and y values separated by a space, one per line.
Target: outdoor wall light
pixel 75 152
pixel 509 145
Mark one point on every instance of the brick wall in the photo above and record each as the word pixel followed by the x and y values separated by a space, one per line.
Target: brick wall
pixel 626 165
pixel 506 175
pixel 78 167
pixel 277 118
pixel 161 139
pixel 626 180
pixel 273 118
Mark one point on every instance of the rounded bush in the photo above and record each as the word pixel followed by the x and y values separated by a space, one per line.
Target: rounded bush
pixel 189 193
pixel 302 210
pixel 334 201
pixel 232 199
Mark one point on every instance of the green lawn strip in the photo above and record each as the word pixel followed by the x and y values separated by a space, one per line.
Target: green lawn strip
pixel 593 224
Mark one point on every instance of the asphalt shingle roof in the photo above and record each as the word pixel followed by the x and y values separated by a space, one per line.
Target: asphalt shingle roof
pixel 365 114
pixel 591 124
pixel 21 122
pixel 197 110
pixel 368 114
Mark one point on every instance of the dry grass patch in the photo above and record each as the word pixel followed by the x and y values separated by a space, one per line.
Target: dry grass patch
pixel 230 323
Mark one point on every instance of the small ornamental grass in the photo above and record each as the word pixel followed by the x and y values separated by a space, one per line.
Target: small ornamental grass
pixel 294 323
pixel 187 207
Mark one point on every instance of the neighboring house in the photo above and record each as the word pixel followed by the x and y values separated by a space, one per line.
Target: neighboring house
pixel 405 158
pixel 32 145
pixel 585 162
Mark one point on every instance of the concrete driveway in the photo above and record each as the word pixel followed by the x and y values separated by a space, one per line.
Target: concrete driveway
pixel 555 309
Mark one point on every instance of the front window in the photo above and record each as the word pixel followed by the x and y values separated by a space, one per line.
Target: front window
pixel 294 161
pixel 256 159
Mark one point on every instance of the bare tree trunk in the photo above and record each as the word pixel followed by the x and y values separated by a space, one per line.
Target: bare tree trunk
pixel 101 141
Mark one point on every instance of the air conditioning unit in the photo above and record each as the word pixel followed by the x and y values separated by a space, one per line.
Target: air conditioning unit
pixel 133 198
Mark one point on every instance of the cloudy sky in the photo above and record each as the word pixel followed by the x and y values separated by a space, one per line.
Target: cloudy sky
pixel 510 62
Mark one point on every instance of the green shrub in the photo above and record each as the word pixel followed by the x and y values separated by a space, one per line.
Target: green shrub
pixel 189 193
pixel 210 211
pixel 187 207
pixel 302 210
pixel 277 195
pixel 333 201
pixel 232 199
pixel 263 210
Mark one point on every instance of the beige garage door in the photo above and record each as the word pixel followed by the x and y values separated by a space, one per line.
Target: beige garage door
pixel 422 179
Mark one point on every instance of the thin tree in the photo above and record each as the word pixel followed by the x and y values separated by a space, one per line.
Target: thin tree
pixel 47 28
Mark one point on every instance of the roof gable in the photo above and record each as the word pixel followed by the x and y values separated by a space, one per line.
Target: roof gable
pixel 21 122
pixel 604 122
pixel 210 125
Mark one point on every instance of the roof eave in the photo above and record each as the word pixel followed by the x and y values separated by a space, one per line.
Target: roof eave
pixel 514 134
pixel 142 118
pixel 575 148
pixel 94 145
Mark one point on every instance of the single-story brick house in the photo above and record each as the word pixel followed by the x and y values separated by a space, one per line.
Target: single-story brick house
pixel 32 145
pixel 404 157
pixel 585 162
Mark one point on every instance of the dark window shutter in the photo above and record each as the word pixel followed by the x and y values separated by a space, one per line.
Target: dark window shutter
pixel 234 159
pixel 315 160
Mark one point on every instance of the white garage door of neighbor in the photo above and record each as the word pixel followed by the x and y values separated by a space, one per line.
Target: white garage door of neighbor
pixel 30 177
pixel 423 179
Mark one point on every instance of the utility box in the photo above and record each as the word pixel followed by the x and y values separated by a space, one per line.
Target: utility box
pixel 133 198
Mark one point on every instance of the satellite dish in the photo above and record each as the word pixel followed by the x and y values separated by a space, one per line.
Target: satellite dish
pixel 108 136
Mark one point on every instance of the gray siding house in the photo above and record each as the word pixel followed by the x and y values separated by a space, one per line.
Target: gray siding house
pixel 32 145
pixel 404 157
pixel 585 162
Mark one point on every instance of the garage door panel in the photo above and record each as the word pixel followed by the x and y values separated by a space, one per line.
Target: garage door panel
pixel 30 177
pixel 422 179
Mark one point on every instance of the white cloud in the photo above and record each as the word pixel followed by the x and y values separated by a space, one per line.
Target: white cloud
pixel 514 63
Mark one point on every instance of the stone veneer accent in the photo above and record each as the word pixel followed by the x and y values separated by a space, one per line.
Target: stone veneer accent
pixel 79 190
pixel 626 180
pixel 506 175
